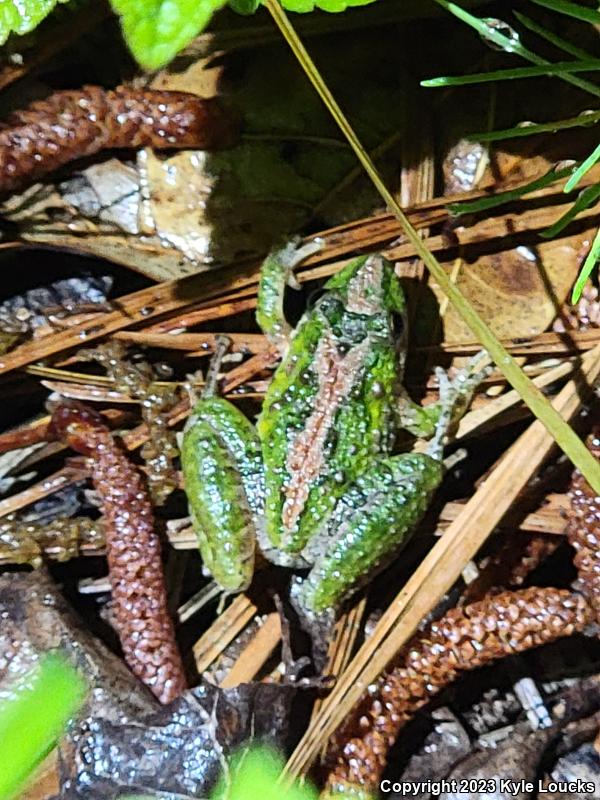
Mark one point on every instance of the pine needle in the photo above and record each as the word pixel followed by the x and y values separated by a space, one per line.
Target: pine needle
pixel 582 169
pixel 532 129
pixel 550 36
pixel 571 10
pixel 510 44
pixel 558 68
pixel 588 265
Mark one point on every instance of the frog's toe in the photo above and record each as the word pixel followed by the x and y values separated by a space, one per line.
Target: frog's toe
pixel 464 382
pixel 294 253
pixel 476 370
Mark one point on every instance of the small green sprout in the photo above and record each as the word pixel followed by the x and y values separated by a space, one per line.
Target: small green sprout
pixel 33 718
pixel 255 774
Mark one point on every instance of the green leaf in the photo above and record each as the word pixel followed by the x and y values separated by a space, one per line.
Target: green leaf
pixel 570 9
pixel 244 7
pixel 22 16
pixel 156 30
pixel 485 203
pixel 33 717
pixel 586 270
pixel 333 6
pixel 587 197
pixel 560 68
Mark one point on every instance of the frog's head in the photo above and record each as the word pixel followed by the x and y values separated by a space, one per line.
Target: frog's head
pixel 368 285
pixel 365 295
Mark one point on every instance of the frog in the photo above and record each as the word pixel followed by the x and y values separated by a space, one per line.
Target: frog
pixel 315 484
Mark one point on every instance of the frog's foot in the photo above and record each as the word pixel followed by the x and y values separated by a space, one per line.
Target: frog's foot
pixel 276 273
pixel 455 396
pixel 294 667
pixel 318 625
pixel 294 254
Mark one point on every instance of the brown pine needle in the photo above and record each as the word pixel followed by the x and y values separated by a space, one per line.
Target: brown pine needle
pixel 342 644
pixel 223 631
pixel 256 653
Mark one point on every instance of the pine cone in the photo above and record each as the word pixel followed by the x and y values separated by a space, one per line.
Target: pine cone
pixel 583 531
pixel 464 639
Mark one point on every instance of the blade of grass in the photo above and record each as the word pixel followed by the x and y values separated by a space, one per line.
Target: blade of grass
pixel 563 434
pixel 587 197
pixel 531 129
pixel 516 73
pixel 550 36
pixel 570 10
pixel 510 45
pixel 582 169
pixel 588 266
pixel 485 203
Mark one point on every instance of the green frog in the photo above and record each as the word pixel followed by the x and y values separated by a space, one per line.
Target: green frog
pixel 315 483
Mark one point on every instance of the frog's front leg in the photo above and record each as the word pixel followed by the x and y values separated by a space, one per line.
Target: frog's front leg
pixel 437 421
pixel 370 522
pixel 277 272
pixel 455 397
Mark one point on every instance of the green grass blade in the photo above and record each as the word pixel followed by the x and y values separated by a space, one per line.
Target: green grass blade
pixel 559 68
pixel 485 203
pixel 33 718
pixel 571 10
pixel 586 270
pixel 532 129
pixel 582 169
pixel 587 197
pixel 550 36
pixel 511 44
pixel 563 434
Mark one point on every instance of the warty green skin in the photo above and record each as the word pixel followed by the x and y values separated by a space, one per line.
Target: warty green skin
pixel 334 498
pixel 222 466
pixel 362 429
pixel 373 518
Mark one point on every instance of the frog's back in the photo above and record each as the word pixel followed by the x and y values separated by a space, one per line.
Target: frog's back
pixel 330 407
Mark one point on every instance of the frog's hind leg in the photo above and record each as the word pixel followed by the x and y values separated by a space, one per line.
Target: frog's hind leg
pixel 221 460
pixel 370 522
pixel 276 273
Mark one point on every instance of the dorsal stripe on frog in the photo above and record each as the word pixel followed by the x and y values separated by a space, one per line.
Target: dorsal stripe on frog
pixel 365 289
pixel 336 373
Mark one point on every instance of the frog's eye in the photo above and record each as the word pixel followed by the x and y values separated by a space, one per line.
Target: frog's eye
pixel 398 324
pixel 315 296
pixel 329 306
